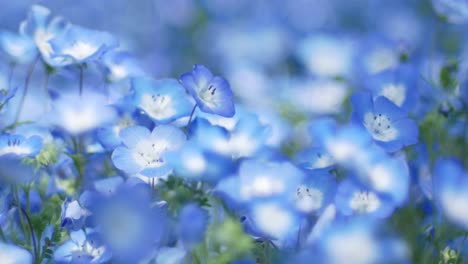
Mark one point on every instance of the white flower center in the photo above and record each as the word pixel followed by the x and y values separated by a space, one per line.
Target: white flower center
pixel 157 106
pixel 148 153
pixel 308 199
pixel 207 94
pixel 380 126
pixel 364 202
pixel 14 147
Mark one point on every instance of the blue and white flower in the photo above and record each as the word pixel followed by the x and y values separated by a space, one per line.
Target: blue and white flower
pixel 162 100
pixel 212 93
pixel 19 146
pixel 144 151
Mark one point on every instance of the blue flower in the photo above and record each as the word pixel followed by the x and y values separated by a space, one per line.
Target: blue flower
pixel 162 100
pixel 356 242
pixel 83 247
pixel 144 151
pixel 397 85
pixel 19 146
pixel 315 159
pixel 353 199
pixel 77 114
pixel 41 28
pixel 14 254
pixel 19 48
pixel 316 192
pixel 73 215
pixel 78 45
pixel 212 93
pixel 192 224
pixel 456 11
pixel 450 190
pixel 388 124
pixel 121 65
pixel 127 223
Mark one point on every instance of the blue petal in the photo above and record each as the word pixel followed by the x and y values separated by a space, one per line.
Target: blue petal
pixel 132 135
pixel 201 75
pixel 362 104
pixel 123 159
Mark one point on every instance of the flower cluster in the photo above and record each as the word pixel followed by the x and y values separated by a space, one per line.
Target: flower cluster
pixel 311 132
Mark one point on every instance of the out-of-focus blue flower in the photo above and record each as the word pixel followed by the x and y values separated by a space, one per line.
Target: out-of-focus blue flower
pixel 353 199
pixel 376 55
pixel 355 242
pixel 19 146
pixel 76 114
pixel 13 254
pixel 77 45
pixel 19 48
pixel 144 151
pixel 73 216
pixel 127 223
pixel 162 100
pixel 83 247
pixel 259 180
pixel 195 161
pixel 456 11
pixel 450 190
pixel 315 159
pixel 352 147
pixel 121 65
pixel 388 124
pixel 275 220
pixel 192 224
pixel 399 86
pixel 319 97
pixel 35 202
pixel 316 192
pixel 41 28
pixel 327 56
pixel 212 93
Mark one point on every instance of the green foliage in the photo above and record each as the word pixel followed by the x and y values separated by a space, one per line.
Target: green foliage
pixel 177 192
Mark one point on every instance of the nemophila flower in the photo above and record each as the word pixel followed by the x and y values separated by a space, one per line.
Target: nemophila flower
pixel 127 223
pixel 121 65
pixel 83 247
pixel 315 159
pixel 144 151
pixel 327 56
pixel 388 124
pixel 275 220
pixel 450 190
pixel 192 224
pixel 316 96
pixel 354 199
pixel 13 254
pixel 197 162
pixel 78 114
pixel 78 45
pixel 355 242
pixel 41 27
pixel 315 192
pixel 73 215
pixel 20 146
pixel 351 146
pixel 19 48
pixel 456 11
pixel 397 85
pixel 211 93
pixel 108 186
pixel 376 55
pixel 260 180
pixel 162 100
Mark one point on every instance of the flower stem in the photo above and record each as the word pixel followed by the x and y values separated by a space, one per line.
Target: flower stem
pixel 81 78
pixel 26 86
pixel 191 116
